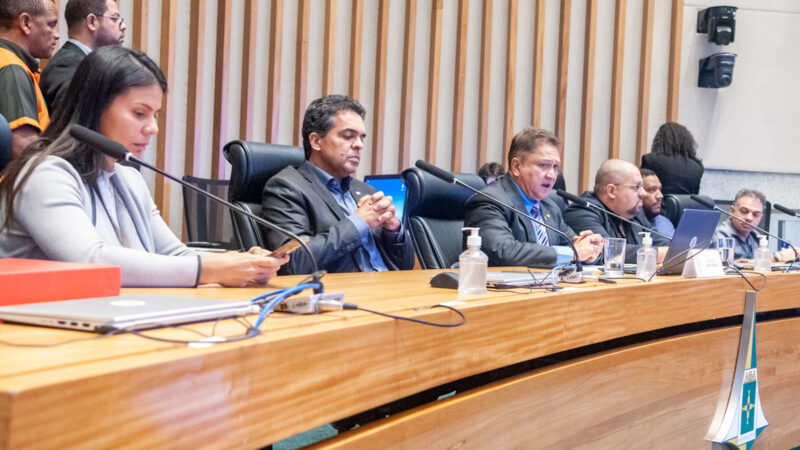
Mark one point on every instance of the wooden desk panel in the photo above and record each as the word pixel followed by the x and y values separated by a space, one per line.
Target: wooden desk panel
pixel 310 370
pixel 662 394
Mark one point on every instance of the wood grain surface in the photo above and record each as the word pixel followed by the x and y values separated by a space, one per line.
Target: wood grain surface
pixel 306 371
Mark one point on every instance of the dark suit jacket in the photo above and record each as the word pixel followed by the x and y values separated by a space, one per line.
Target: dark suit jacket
pixel 297 200
pixel 580 217
pixel 58 73
pixel 678 175
pixel 507 238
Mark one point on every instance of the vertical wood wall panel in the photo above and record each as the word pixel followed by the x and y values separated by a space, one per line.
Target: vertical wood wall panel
pixel 538 63
pixel 194 103
pixel 356 32
pixel 511 70
pixel 379 116
pixel 165 119
pixel 301 68
pixel 470 59
pixel 139 24
pixel 459 82
pixel 644 80
pixel 616 79
pixel 676 40
pixel 328 55
pixel 483 99
pixel 563 65
pixel 407 98
pixel 588 95
pixel 221 76
pixel 433 82
pixel 247 102
pixel 274 71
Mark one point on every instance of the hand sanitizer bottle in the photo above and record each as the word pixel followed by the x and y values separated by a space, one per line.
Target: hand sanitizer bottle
pixel 646 258
pixel 762 262
pixel 472 266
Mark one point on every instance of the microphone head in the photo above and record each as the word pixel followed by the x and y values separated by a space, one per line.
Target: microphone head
pixel 784 209
pixel 435 171
pixel 571 197
pixel 702 201
pixel 98 142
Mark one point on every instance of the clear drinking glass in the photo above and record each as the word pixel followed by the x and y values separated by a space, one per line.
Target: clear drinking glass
pixel 614 257
pixel 725 247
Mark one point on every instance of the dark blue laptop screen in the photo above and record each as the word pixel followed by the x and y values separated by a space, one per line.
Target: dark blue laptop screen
pixel 390 185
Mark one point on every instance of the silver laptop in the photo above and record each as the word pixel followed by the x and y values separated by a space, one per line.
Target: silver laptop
pixel 104 314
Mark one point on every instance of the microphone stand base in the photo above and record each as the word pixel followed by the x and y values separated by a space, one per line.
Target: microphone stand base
pixel 570 275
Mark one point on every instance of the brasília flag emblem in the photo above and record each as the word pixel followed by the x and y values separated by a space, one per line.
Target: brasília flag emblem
pixel 743 420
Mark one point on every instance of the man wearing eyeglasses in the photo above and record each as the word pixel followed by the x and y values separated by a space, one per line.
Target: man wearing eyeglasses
pixel 618 188
pixel 91 24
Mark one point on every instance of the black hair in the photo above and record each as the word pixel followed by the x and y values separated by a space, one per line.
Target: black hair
pixel 101 77
pixel 11 9
pixel 319 117
pixel 77 10
pixel 674 139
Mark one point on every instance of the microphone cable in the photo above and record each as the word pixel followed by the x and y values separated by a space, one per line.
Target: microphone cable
pixel 351 306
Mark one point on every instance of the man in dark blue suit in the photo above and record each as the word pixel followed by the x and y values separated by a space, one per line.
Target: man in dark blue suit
pixel 513 240
pixel 91 24
pixel 352 228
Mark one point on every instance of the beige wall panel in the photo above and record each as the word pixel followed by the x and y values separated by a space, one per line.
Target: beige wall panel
pixel 369 36
pixel 469 146
pixel 523 83
pixel 572 127
pixel 601 100
pixel 288 50
pixel 550 65
pixel 659 74
pixel 630 75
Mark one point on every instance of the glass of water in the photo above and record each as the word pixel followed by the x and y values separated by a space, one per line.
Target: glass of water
pixel 614 257
pixel 725 247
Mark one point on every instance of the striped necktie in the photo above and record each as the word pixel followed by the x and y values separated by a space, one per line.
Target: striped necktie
pixel 541 232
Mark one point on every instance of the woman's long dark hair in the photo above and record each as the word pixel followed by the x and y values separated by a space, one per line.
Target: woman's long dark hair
pixel 673 139
pixel 102 76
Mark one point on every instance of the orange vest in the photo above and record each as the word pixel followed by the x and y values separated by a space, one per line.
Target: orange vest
pixel 7 58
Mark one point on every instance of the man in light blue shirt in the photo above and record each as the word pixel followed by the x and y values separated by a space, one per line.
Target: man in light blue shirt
pixel 651 203
pixel 512 240
pixel 351 227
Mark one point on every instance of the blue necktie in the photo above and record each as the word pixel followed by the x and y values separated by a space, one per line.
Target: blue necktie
pixel 541 232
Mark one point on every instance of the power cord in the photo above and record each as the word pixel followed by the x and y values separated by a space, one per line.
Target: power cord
pixel 411 319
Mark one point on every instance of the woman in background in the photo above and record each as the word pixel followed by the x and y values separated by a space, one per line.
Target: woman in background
pixel 674 159
pixel 61 200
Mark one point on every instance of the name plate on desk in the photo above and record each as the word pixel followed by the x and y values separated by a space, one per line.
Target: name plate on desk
pixel 703 264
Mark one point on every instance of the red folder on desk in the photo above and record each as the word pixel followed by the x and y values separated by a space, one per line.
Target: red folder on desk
pixel 33 280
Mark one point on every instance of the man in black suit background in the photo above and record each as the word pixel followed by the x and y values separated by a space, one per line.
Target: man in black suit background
pixel 352 228
pixel 91 24
pixel 512 240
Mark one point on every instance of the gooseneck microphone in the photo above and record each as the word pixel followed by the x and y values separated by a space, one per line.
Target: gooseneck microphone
pixel 116 150
pixel 449 178
pixel 589 205
pixel 711 205
pixel 785 210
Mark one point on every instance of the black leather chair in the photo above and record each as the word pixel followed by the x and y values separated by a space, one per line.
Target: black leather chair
pixel 208 223
pixel 5 142
pixel 252 164
pixel 672 206
pixel 435 216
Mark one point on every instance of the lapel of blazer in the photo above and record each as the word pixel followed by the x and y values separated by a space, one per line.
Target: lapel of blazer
pixel 516 201
pixel 309 173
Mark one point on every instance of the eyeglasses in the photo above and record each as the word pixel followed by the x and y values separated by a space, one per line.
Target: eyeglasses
pixel 113 19
pixel 636 187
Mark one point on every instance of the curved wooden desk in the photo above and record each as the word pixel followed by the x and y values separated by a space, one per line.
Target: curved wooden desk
pixel 306 371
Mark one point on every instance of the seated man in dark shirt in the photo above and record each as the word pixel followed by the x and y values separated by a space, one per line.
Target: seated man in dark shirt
pixel 513 240
pixel 352 228
pixel 618 188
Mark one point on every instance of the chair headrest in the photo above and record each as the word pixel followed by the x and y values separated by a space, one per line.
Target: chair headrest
pixel 5 142
pixel 253 163
pixel 429 196
pixel 672 205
